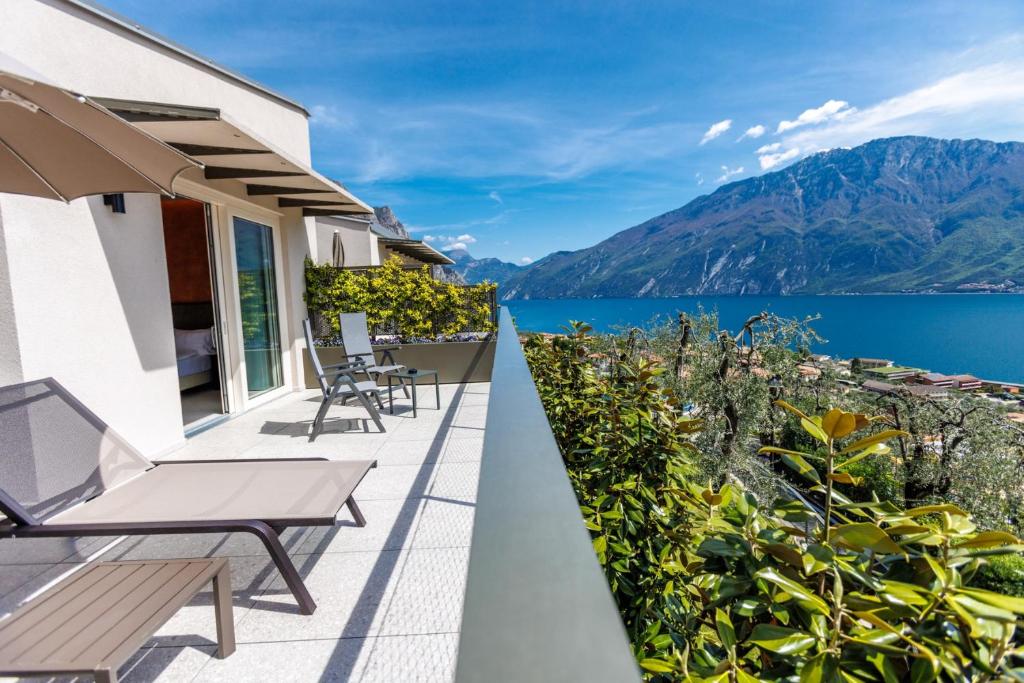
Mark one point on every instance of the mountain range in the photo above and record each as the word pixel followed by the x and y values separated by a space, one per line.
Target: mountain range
pixel 905 214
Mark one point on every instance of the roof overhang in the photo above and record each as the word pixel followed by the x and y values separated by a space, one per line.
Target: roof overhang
pixel 230 151
pixel 415 249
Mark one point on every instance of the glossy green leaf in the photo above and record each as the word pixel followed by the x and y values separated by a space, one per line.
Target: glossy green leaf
pixel 802 595
pixel 861 535
pixel 801 467
pixel 872 439
pixel 781 639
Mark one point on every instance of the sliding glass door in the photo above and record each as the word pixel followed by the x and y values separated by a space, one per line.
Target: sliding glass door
pixel 257 297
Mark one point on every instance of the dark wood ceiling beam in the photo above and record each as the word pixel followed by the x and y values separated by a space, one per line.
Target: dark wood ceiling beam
pixel 332 212
pixel 293 203
pixel 254 190
pixel 222 173
pixel 210 150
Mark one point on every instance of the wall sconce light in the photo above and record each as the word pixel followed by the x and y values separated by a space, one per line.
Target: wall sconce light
pixel 115 202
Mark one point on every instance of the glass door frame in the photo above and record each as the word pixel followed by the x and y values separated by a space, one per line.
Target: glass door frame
pixel 240 384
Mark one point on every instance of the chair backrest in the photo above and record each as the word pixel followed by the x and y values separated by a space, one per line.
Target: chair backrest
pixel 55 452
pixel 307 330
pixel 356 338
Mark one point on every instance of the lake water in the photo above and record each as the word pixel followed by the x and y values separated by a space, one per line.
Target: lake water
pixel 980 334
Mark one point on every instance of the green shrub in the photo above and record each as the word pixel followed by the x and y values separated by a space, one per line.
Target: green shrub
pixel 1003 574
pixel 714 585
pixel 410 303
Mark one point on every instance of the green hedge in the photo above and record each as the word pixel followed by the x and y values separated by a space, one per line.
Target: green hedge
pixel 397 300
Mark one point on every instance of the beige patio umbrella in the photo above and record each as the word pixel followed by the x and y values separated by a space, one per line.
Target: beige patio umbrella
pixel 337 251
pixel 57 144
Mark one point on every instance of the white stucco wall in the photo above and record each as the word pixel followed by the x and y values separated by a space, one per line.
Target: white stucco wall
pixel 97 58
pixel 84 295
pixel 92 309
pixel 359 243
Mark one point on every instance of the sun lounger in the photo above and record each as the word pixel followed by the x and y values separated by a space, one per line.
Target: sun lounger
pixel 65 473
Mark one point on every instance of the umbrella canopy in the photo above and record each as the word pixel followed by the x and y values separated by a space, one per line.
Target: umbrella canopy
pixel 60 145
pixel 338 251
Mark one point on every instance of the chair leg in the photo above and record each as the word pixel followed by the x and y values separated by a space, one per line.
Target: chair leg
pixel 224 612
pixel 357 514
pixel 318 423
pixel 284 565
pixel 374 415
pixel 405 388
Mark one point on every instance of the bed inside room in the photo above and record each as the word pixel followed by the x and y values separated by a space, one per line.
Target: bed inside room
pixel 192 309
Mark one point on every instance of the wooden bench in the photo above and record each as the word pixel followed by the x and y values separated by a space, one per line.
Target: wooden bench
pixel 93 621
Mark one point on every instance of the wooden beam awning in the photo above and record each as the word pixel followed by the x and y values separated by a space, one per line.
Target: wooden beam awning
pixel 231 152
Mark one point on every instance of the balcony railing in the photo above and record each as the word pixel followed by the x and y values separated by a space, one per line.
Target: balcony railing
pixel 537 605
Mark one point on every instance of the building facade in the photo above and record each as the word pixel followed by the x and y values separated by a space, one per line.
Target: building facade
pixel 107 303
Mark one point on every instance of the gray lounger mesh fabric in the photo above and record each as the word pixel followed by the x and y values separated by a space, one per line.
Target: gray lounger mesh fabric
pixel 55 453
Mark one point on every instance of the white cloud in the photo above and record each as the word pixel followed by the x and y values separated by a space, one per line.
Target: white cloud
pixel 700 178
pixel 974 102
pixel 753 132
pixel 715 130
pixel 495 196
pixel 525 261
pixel 450 242
pixel 773 147
pixel 328 116
pixel 770 161
pixel 833 109
pixel 728 174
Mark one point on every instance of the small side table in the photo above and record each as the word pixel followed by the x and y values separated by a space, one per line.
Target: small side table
pixel 404 374
pixel 93 621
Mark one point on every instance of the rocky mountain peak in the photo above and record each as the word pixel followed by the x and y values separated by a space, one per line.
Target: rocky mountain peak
pixel 384 217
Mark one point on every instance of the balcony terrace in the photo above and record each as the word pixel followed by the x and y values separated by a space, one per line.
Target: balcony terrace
pixel 524 590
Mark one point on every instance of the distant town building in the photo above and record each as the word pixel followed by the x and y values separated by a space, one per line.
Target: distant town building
pixel 919 390
pixel 936 379
pixel 891 372
pixel 965 382
pixel 873 362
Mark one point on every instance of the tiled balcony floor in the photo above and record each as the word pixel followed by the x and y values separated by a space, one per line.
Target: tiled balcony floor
pixel 389 595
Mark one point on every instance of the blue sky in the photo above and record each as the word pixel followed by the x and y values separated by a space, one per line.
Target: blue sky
pixel 521 128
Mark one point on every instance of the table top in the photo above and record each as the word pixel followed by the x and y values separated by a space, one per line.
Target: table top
pixel 420 372
pixel 101 615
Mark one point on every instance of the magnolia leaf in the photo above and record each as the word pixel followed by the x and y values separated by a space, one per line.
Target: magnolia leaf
pixel 796 411
pixel 872 439
pixel 987 539
pixel 743 677
pixel 861 535
pixel 658 666
pixel 822 668
pixel 874 449
pixel 710 497
pixel 1009 602
pixel 725 629
pixel 814 430
pixel 837 423
pixel 802 595
pixel 775 449
pixel 935 509
pixel 781 639
pixel 801 467
pixel 845 478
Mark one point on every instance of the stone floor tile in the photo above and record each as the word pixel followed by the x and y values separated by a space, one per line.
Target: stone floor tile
pixel 456 481
pixel 419 659
pixel 429 594
pixel 349 589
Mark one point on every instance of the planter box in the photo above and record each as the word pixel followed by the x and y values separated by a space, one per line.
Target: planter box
pixel 455 362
